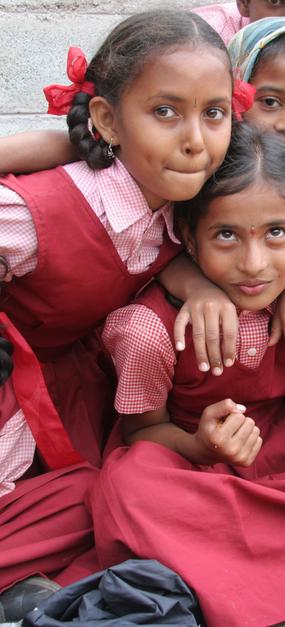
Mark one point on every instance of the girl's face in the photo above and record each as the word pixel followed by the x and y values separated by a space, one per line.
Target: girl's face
pixel 173 123
pixel 268 110
pixel 240 245
pixel 257 9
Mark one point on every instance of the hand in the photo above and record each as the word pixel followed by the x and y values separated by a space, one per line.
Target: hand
pixel 278 321
pixel 214 328
pixel 225 434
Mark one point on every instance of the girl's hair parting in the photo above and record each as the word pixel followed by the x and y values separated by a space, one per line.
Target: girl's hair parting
pixel 253 155
pixel 272 50
pixel 120 60
pixel 6 363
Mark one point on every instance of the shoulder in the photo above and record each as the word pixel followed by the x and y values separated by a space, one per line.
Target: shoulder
pixel 224 18
pixel 136 326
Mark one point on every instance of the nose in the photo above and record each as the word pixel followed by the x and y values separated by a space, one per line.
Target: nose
pixel 279 125
pixel 253 259
pixel 193 138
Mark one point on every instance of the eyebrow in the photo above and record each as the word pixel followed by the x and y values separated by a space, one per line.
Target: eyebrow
pixel 279 90
pixel 219 225
pixel 174 98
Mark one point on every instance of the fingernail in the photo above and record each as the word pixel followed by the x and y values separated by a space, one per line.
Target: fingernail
pixel 217 371
pixel 229 362
pixel 240 407
pixel 204 367
pixel 180 346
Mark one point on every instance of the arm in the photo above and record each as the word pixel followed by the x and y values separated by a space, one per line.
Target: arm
pixel 224 434
pixel 35 150
pixel 207 308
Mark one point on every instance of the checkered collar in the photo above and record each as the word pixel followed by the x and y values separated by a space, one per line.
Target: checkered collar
pixel 124 203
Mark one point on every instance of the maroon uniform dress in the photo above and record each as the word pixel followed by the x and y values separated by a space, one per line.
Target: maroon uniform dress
pixel 45 523
pixel 221 528
pixel 78 280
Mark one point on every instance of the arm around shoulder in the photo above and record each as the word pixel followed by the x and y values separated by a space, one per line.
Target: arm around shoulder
pixel 35 150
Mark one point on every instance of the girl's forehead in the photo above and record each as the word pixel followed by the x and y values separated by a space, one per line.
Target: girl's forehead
pixel 189 59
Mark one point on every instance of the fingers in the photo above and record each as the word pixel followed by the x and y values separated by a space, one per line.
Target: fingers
pixel 214 333
pixel 206 338
pixel 182 319
pixel 229 332
pixel 238 439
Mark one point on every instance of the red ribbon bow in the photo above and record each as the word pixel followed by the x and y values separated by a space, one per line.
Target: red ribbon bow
pixel 243 98
pixel 60 97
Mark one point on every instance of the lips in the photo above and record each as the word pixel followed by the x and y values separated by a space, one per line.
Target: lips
pixel 252 287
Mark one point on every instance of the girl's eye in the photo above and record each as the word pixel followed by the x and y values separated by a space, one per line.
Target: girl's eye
pixel 275 3
pixel 165 112
pixel 214 113
pixel 226 236
pixel 277 232
pixel 270 102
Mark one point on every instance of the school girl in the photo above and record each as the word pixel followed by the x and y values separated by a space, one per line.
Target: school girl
pixel 200 484
pixel 258 53
pixel 152 117
pixel 228 18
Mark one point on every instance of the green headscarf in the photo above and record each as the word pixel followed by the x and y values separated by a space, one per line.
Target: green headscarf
pixel 247 44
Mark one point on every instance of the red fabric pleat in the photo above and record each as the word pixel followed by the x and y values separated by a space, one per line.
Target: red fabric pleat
pixel 33 398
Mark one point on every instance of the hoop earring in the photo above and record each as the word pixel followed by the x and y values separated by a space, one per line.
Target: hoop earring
pixel 110 152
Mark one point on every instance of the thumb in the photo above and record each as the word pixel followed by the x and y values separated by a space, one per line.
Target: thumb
pixel 218 411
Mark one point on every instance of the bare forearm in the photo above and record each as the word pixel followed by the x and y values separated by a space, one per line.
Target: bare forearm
pixel 172 437
pixel 181 277
pixel 35 150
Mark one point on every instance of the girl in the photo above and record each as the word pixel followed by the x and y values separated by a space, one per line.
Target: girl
pixel 258 52
pixel 150 132
pixel 152 117
pixel 201 486
pixel 228 18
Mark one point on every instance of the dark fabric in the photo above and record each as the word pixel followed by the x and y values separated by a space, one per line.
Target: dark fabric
pixel 136 592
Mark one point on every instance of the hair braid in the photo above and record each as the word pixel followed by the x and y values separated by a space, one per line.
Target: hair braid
pixel 6 362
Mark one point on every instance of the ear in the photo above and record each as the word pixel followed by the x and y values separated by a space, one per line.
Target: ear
pixel 103 118
pixel 188 239
pixel 243 7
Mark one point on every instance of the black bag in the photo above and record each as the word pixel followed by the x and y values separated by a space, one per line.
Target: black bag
pixel 136 592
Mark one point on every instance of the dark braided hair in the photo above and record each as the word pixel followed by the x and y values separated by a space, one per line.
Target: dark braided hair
pixel 6 363
pixel 121 59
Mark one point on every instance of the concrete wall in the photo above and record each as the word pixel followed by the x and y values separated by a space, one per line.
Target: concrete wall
pixel 35 37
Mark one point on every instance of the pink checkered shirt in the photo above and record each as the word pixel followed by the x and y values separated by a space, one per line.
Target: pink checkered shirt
pixel 224 18
pixel 135 230
pixel 17 445
pixel 145 358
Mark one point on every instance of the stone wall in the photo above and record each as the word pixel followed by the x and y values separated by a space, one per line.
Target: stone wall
pixel 35 37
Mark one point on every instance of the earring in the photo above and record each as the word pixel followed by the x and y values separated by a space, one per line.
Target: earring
pixel 110 152
pixel 189 250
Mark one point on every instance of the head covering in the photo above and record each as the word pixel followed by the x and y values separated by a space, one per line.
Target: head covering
pixel 247 44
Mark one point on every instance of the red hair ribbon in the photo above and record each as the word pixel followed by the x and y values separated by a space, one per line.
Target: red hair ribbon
pixel 243 98
pixel 60 97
